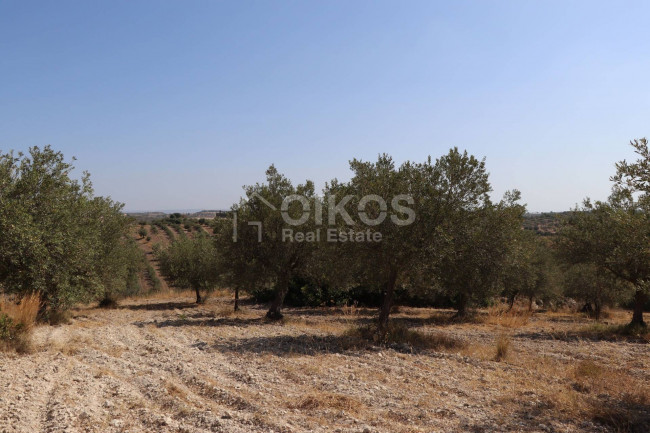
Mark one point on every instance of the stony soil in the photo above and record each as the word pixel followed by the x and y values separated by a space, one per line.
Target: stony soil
pixel 165 365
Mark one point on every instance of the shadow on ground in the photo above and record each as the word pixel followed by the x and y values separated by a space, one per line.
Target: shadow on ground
pixel 203 319
pixel 160 306
pixel 594 336
pixel 285 345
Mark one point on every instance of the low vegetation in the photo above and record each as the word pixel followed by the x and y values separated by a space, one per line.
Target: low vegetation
pixel 17 318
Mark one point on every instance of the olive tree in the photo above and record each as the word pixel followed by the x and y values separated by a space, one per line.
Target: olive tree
pixel 191 263
pixel 529 269
pixel 427 214
pixel 263 248
pixel 478 243
pixel 614 235
pixel 594 286
pixel 56 239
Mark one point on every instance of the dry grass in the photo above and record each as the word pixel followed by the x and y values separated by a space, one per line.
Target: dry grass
pixel 502 347
pixel 17 321
pixel 176 391
pixel 602 331
pixel 514 318
pixel 72 346
pixel 24 311
pixel 583 390
pixel 163 295
pixel 229 311
pixel 326 400
pixel 399 334
pixel 625 396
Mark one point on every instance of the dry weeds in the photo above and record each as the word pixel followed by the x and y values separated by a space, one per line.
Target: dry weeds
pixel 17 318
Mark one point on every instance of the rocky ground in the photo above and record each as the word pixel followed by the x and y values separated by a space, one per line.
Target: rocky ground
pixel 165 365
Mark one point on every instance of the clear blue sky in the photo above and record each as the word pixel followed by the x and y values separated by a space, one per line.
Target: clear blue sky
pixel 176 105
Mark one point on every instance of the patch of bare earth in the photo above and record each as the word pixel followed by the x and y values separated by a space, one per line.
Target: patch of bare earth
pixel 166 365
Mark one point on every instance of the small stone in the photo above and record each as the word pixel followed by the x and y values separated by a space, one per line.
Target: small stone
pixel 226 415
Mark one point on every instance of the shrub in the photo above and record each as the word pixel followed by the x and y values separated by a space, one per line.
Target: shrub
pixel 13 336
pixel 142 232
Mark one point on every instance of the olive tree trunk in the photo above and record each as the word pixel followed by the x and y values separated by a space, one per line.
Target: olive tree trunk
pixel 387 303
pixel 639 303
pixel 275 310
pixel 463 303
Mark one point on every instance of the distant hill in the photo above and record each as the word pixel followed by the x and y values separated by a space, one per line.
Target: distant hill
pixel 208 214
pixel 152 216
pixel 545 223
pixel 147 216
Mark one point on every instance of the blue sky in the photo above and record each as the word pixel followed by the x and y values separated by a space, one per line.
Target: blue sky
pixel 176 105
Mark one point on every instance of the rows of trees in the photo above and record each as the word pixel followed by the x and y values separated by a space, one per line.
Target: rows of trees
pixel 459 244
pixel 443 234
pixel 423 231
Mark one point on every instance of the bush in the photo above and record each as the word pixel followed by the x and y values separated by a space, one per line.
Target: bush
pixel 13 336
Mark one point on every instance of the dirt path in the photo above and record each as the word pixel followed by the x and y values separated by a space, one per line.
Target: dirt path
pixel 167 366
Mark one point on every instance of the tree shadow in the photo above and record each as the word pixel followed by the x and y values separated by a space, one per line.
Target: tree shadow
pixel 440 319
pixel 624 416
pixel 332 311
pixel 573 336
pixel 287 345
pixel 159 306
pixel 602 414
pixel 203 319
